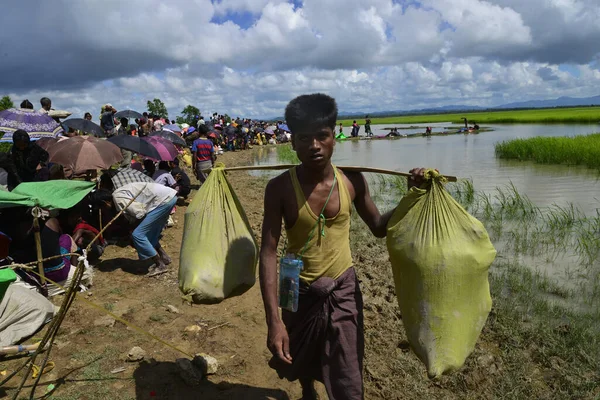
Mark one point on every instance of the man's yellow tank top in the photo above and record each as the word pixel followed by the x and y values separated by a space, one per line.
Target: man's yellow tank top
pixel 325 255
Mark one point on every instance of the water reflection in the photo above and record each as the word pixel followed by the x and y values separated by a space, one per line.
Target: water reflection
pixel 472 156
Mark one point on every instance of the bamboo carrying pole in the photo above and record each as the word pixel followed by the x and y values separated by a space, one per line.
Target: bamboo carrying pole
pixel 343 168
pixel 38 248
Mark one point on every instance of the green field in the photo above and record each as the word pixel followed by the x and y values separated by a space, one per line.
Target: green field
pixel 577 150
pixel 585 115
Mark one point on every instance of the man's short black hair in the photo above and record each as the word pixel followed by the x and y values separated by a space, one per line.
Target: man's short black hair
pixel 311 111
pixel 26 104
pixel 45 102
pixel 20 136
pixel 202 130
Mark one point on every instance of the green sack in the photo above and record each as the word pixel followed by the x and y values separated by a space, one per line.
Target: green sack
pixel 218 251
pixel 440 256
pixel 7 276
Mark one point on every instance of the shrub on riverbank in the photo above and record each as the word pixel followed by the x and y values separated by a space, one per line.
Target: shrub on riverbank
pixel 577 150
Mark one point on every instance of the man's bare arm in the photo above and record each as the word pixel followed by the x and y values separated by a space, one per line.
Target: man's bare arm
pixel 271 232
pixel 277 341
pixel 367 209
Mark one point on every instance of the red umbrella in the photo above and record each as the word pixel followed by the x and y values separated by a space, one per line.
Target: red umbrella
pixel 81 153
pixel 166 149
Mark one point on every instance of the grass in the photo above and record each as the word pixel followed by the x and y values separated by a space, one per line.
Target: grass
pixel 577 150
pixel 585 115
pixel 546 327
pixel 285 154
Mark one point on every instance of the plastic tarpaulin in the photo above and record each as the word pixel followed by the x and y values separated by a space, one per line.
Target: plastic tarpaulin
pixel 56 194
pixel 218 252
pixel 440 258
pixel 22 313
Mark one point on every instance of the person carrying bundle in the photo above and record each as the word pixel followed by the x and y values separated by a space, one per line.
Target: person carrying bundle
pixel 324 339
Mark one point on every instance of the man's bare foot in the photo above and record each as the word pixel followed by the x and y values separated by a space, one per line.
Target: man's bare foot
pixel 308 390
pixel 159 267
pixel 164 256
pixel 157 270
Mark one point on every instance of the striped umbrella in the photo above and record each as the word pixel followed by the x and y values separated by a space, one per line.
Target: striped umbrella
pixel 36 124
pixel 166 149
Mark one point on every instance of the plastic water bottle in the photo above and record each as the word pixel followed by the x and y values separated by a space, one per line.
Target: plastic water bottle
pixel 289 282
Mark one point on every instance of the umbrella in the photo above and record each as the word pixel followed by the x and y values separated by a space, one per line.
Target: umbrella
pixel 128 114
pixel 172 127
pixel 46 142
pixel 81 153
pixel 212 135
pixel 284 127
pixel 166 150
pixel 135 144
pixel 269 132
pixel 83 125
pixel 35 123
pixel 170 136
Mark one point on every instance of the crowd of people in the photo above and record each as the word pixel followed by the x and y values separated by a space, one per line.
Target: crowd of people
pixel 146 190
pixel 157 184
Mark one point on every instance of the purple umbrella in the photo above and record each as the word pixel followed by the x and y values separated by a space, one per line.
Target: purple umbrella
pixel 166 150
pixel 36 124
pixel 284 127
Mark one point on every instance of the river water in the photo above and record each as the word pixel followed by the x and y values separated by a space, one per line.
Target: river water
pixel 472 156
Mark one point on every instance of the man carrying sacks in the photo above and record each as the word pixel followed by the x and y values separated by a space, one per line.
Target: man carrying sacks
pixel 324 339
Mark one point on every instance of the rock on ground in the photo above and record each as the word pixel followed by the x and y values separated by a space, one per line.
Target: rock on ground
pixel 136 354
pixel 106 321
pixel 207 364
pixel 173 309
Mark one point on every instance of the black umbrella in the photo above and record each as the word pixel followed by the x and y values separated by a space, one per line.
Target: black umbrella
pixel 83 125
pixel 128 114
pixel 135 144
pixel 170 136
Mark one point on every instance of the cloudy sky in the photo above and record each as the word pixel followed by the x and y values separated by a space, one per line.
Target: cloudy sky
pixel 250 57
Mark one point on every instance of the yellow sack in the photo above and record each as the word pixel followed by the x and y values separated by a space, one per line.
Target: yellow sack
pixel 218 252
pixel 187 158
pixel 440 257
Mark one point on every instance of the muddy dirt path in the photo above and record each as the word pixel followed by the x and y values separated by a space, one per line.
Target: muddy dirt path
pixel 89 349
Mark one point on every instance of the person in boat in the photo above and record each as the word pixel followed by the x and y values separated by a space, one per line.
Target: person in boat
pixel 393 133
pixel 475 126
pixel 341 129
pixel 324 339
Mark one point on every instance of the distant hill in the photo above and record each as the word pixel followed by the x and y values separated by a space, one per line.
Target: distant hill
pixel 560 102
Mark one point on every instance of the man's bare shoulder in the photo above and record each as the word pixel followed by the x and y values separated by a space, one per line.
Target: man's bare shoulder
pixel 280 184
pixel 355 181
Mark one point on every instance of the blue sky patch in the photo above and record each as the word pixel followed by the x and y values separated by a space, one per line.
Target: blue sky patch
pixel 244 19
pixel 572 69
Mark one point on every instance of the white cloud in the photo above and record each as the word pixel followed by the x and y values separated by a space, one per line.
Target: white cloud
pixel 370 54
